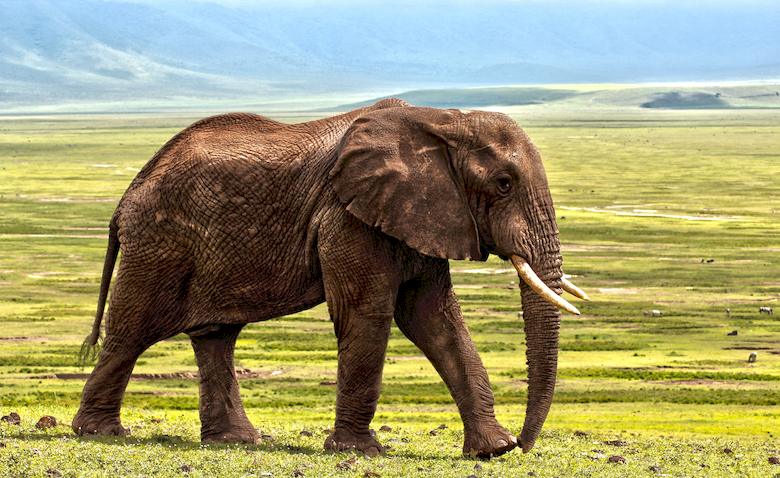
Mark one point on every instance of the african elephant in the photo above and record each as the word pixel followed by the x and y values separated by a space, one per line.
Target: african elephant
pixel 240 219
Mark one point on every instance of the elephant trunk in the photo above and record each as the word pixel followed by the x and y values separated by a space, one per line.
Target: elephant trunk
pixel 541 323
pixel 540 293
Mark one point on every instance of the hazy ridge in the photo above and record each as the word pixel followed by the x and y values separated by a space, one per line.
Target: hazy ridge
pixel 179 52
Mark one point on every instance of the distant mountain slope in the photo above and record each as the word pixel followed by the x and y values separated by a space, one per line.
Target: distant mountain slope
pixel 476 97
pixel 102 50
pixel 665 97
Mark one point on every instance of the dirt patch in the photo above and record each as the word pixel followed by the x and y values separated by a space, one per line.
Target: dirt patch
pixel 693 381
pixel 617 211
pixel 21 339
pixel 482 271
pixel 85 228
pixel 67 199
pixel 244 373
pixel 618 291
pixel 52 236
pixel 746 347
pixel 594 247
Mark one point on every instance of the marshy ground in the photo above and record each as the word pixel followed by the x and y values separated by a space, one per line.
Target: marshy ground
pixel 676 211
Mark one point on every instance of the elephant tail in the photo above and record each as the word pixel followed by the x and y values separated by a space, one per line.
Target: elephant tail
pixel 91 345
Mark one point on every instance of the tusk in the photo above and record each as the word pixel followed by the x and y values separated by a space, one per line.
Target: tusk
pixel 573 289
pixel 525 272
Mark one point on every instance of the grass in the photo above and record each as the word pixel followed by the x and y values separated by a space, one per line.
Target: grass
pixel 645 199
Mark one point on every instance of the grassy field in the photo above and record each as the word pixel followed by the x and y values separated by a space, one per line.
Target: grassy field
pixel 669 210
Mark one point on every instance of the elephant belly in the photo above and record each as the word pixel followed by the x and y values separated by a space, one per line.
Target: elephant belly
pixel 242 288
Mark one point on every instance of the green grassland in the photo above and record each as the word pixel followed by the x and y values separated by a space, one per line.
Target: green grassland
pixel 670 210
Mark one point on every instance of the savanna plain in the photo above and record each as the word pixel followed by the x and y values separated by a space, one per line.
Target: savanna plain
pixel 669 210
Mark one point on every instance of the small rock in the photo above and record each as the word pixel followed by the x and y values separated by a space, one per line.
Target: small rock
pixel 531 473
pixel 185 468
pixel 478 467
pixel 433 433
pixel 773 460
pixel 46 421
pixel 733 333
pixel 298 474
pixel 12 418
pixel 472 476
pixel 752 357
pixel 616 459
pixel 728 451
pixel 615 443
pixel 442 427
pixel 346 464
pixel 581 434
pixel 2 445
pixel 371 474
pixel 156 420
pixel 266 474
pixel 306 433
pixel 655 469
pixel 53 473
pixel 385 428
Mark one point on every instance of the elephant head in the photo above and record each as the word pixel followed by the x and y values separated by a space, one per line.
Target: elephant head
pixel 463 185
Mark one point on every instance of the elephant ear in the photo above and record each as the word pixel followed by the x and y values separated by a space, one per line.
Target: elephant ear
pixel 393 171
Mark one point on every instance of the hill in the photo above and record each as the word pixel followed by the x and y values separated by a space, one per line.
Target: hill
pixel 644 96
pixel 177 51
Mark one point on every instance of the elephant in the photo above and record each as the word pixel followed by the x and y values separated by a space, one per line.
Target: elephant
pixel 239 218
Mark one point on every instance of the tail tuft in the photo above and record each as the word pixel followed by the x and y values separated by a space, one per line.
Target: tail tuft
pixel 90 348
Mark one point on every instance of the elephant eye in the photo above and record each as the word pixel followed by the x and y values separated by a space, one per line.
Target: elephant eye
pixel 504 184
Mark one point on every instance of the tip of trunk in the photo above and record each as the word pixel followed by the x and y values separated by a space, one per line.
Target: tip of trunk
pixel 528 436
pixel 526 447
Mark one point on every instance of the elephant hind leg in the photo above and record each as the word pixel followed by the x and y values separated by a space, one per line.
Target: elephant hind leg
pixel 222 415
pixel 145 307
pixel 101 400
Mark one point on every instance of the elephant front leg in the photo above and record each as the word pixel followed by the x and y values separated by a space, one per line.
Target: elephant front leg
pixel 362 343
pixel 428 314
pixel 222 415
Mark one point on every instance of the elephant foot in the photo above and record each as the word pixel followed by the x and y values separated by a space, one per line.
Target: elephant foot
pixel 344 440
pixel 236 435
pixel 101 425
pixel 488 441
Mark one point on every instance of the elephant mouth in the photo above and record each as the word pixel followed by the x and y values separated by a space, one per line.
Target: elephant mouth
pixel 527 274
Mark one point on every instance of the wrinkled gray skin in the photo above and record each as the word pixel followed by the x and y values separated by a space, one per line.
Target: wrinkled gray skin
pixel 240 219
